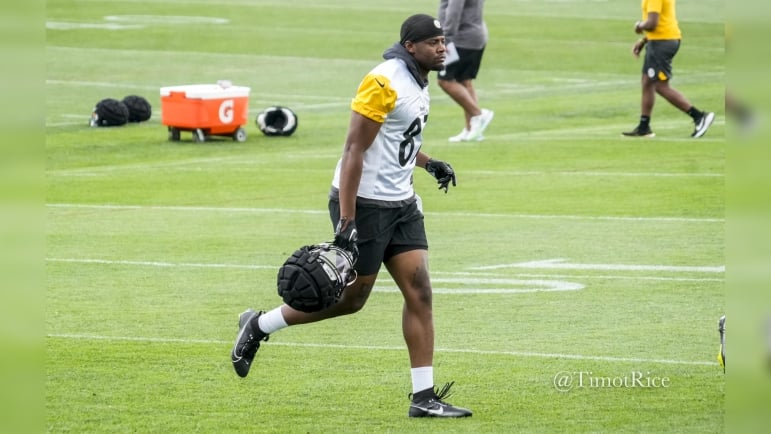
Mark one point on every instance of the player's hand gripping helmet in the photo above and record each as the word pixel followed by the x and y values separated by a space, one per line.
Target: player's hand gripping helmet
pixel 277 121
pixel 314 277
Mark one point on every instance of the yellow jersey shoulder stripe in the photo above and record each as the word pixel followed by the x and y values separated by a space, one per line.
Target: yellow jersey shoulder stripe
pixel 375 97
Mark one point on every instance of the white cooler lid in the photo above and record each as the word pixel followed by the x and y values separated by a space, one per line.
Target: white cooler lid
pixel 207 91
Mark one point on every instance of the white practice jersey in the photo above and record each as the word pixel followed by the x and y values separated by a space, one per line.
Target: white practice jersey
pixel 390 95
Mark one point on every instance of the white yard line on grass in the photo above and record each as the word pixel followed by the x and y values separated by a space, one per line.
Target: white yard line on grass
pixel 561 264
pixel 105 84
pixel 586 276
pixel 262 96
pixel 161 264
pixel 597 174
pixel 196 164
pixel 188 208
pixel 445 214
pixel 240 161
pixel 530 283
pixel 578 217
pixel 388 348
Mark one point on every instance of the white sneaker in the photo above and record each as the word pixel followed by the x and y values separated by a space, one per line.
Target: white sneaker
pixel 478 124
pixel 463 137
pixel 460 137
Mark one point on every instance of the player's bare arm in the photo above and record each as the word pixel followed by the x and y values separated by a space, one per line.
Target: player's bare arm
pixel 421 159
pixel 361 133
pixel 649 24
pixel 638 46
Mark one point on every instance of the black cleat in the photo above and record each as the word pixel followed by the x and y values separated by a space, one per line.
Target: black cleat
pixel 703 124
pixel 247 342
pixel 428 403
pixel 639 132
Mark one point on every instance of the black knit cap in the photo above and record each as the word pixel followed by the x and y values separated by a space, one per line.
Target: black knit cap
pixel 420 27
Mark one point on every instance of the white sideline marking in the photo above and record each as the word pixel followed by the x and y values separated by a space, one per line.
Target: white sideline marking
pixel 63 25
pixel 593 276
pixel 527 286
pixel 190 164
pixel 473 277
pixel 103 84
pixel 387 348
pixel 165 19
pixel 560 264
pixel 447 213
pixel 540 285
pixel 184 164
pixel 162 264
pixel 135 22
pixel 187 208
pixel 598 174
pixel 582 217
pixel 262 96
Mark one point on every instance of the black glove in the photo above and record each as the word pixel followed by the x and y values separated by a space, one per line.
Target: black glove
pixel 346 237
pixel 442 172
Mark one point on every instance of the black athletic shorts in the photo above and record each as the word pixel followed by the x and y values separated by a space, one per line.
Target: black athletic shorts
pixel 658 58
pixel 384 232
pixel 466 68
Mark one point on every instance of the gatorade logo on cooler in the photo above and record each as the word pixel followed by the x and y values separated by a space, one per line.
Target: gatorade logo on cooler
pixel 226 111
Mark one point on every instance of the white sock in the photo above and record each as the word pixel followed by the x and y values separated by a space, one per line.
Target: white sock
pixel 272 321
pixel 422 378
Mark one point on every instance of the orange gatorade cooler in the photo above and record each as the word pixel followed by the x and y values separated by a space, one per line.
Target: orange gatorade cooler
pixel 206 110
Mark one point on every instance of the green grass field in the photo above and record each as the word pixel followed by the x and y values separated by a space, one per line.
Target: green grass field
pixel 565 250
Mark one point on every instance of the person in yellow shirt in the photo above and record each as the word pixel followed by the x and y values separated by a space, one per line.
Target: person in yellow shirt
pixel 661 40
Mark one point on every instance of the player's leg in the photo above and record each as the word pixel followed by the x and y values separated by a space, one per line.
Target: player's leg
pixel 480 118
pixel 353 299
pixel 255 327
pixel 648 79
pixel 672 95
pixel 665 53
pixel 406 260
pixel 471 110
pixel 648 96
pixel 463 95
pixel 457 81
pixel 410 272
pixel 702 120
pixel 647 100
pixel 660 72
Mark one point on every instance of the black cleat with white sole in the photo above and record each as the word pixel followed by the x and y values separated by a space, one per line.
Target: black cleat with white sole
pixel 247 342
pixel 429 403
pixel 703 124
pixel 639 131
